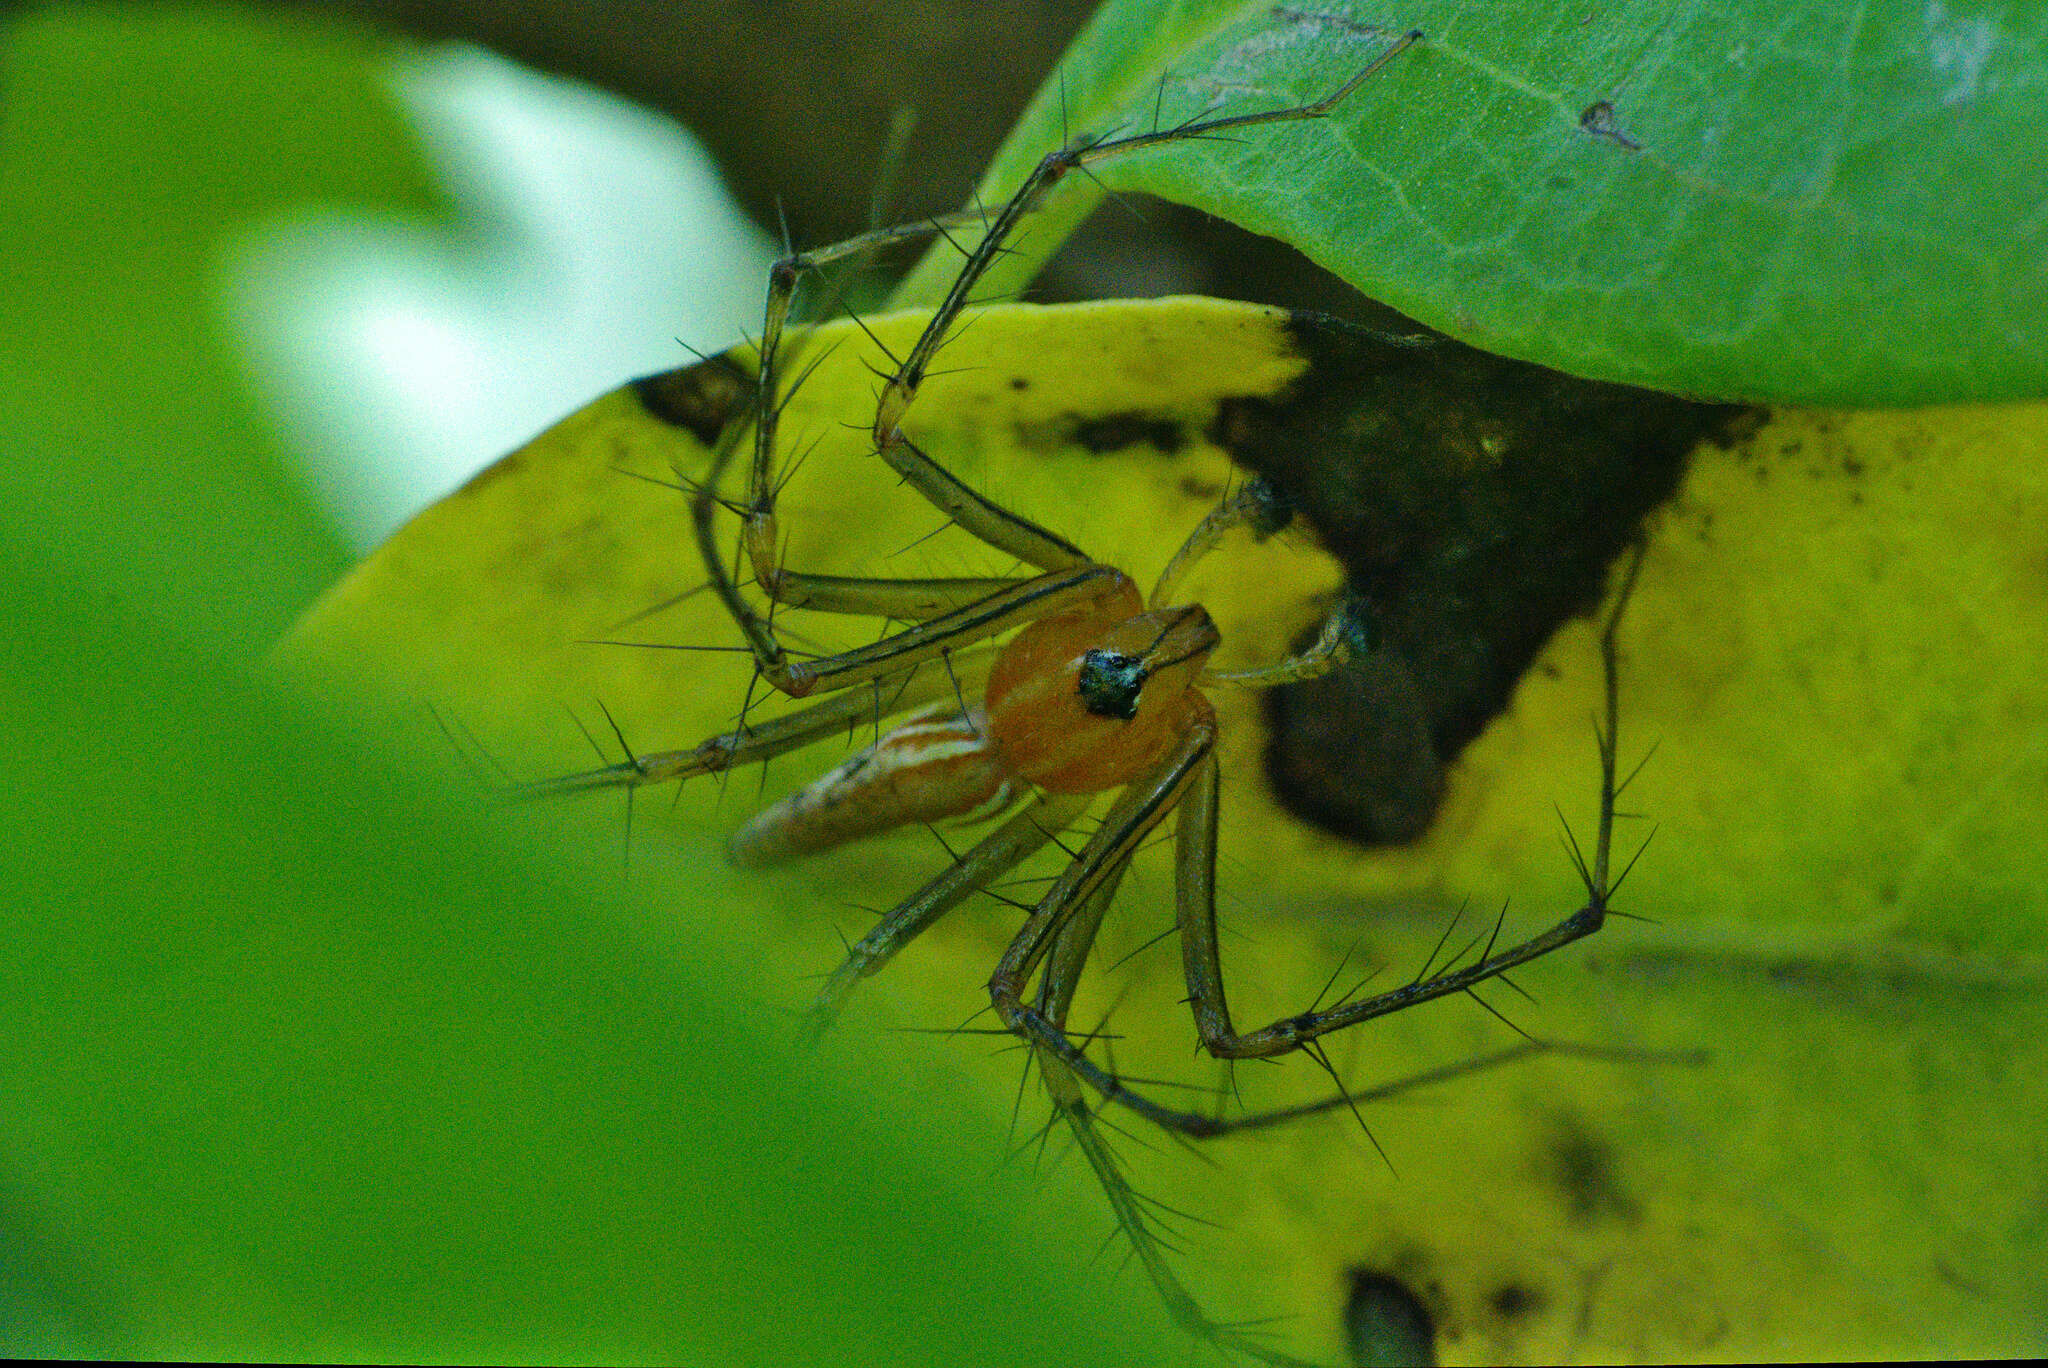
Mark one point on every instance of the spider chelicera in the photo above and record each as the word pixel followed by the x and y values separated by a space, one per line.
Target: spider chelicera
pixel 1033 695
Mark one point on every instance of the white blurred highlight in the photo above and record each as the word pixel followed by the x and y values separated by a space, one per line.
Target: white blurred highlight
pixel 592 235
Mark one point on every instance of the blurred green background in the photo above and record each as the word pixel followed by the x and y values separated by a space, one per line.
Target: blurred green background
pixel 302 1057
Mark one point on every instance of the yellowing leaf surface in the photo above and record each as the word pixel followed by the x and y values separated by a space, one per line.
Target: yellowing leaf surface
pixel 1835 646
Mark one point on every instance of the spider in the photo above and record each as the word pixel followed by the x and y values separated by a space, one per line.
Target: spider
pixel 1033 695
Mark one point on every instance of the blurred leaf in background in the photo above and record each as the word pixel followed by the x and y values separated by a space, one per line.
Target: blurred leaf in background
pixel 593 239
pixel 135 142
pixel 301 1059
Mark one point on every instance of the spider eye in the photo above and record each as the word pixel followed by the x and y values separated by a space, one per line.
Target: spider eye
pixel 1110 681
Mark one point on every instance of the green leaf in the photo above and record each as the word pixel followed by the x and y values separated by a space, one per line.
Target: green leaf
pixel 1813 203
pixel 305 1057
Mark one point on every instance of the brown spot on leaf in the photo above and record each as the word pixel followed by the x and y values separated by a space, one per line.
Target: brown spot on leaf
pixel 1598 119
pixel 1512 1301
pixel 1118 431
pixel 1583 1169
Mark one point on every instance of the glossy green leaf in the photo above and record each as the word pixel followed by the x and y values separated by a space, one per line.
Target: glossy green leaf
pixel 1809 203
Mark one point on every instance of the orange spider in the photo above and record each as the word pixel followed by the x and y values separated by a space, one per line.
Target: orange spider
pixel 1096 689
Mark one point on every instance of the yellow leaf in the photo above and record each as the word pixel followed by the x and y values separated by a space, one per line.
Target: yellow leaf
pixel 1836 646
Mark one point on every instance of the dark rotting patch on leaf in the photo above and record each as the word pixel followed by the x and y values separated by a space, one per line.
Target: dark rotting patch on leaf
pixel 1475 504
pixel 1119 431
pixel 700 399
pixel 1365 728
pixel 1386 1323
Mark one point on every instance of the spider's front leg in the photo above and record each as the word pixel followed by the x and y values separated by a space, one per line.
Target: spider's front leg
pixel 1187 784
pixel 1197 905
pixel 979 516
pixel 1060 928
pixel 912 600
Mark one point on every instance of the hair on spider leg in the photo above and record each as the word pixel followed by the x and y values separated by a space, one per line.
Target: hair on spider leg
pixel 908 547
pixel 679 484
pixel 1139 1227
pixel 782 482
pixel 879 345
pixel 691 647
pixel 657 608
pixel 931 829
pixel 470 751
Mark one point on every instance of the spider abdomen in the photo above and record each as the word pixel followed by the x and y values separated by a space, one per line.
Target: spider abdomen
pixel 932 768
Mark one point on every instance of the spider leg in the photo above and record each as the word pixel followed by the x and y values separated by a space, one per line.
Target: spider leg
pixel 905 600
pixel 1021 601
pixel 758 741
pixel 1057 931
pixel 1264 510
pixel 1059 936
pixel 1444 1073
pixel 1016 840
pixel 1071 946
pixel 896 598
pixel 991 523
pixel 1187 784
pixel 1053 168
pixel 1196 878
pixel 1056 926
pixel 977 515
pixel 1071 1103
pixel 1344 637
pixel 1058 979
pixel 1257 505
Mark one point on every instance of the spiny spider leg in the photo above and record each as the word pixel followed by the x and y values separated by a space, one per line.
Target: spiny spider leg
pixel 1021 836
pixel 1062 931
pixel 1049 171
pixel 1188 781
pixel 1019 602
pixel 1198 913
pixel 1058 980
pixel 1059 977
pixel 1070 1101
pixel 980 517
pixel 1261 508
pixel 1137 810
pixel 885 698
